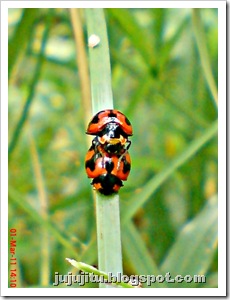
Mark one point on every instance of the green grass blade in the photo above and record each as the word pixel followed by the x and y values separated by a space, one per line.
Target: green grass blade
pixel 100 71
pixel 44 211
pixel 203 51
pixel 89 269
pixel 107 208
pixel 32 88
pixel 153 184
pixel 194 249
pixel 19 39
pixel 168 46
pixel 159 16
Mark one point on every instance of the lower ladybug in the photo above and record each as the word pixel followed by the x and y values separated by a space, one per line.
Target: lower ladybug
pixel 107 170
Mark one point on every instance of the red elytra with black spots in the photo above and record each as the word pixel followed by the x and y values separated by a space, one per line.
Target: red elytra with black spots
pixel 109 116
pixel 107 170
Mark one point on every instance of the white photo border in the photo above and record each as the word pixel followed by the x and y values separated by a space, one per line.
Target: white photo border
pixel 221 290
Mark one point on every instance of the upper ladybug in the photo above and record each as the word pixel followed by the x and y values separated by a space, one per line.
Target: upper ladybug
pixel 110 122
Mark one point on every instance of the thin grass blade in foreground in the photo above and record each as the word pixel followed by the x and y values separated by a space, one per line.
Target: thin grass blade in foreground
pixel 107 208
pixel 91 270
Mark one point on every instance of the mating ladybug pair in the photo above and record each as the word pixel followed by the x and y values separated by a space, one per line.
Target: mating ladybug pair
pixel 108 161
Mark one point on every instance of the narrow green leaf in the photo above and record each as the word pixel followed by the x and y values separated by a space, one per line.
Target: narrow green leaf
pixel 19 39
pixel 32 88
pixel 99 59
pixel 168 46
pixel 159 16
pixel 153 184
pixel 193 251
pixel 91 270
pixel 108 234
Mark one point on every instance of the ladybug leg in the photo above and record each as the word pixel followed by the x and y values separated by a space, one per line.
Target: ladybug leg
pixel 126 148
pixel 123 154
pixel 129 144
pixel 95 144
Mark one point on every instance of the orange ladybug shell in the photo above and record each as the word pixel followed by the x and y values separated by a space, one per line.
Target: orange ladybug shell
pixel 104 117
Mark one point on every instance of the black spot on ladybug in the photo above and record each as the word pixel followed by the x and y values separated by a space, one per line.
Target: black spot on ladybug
pixel 127 121
pixel 95 119
pixel 112 114
pixel 90 164
pixel 107 182
pixel 126 167
pixel 109 166
pixel 92 146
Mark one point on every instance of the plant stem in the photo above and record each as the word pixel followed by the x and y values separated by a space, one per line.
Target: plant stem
pixel 18 41
pixel 82 62
pixel 107 208
pixel 30 98
pixel 44 211
pixel 100 72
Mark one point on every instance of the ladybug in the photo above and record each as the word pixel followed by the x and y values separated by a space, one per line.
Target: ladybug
pixel 107 170
pixel 112 129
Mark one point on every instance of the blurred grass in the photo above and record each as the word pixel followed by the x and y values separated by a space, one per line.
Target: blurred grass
pixel 44 211
pixel 160 81
pixel 13 44
pixel 20 36
pixel 204 55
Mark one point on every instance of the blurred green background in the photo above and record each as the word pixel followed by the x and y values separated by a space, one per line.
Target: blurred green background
pixel 159 81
